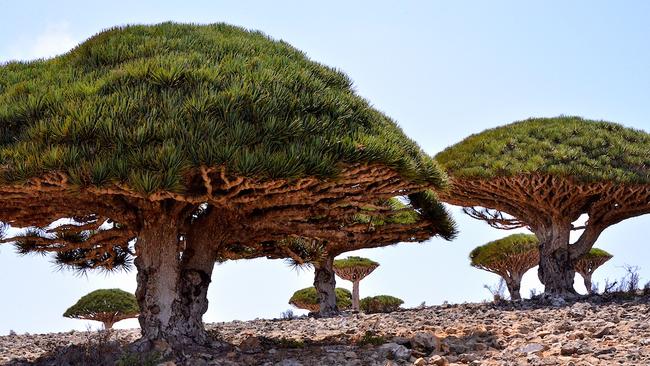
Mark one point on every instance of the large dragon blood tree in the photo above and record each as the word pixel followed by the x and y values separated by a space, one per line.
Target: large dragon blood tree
pixel 172 141
pixel 415 218
pixel 544 174
pixel 588 263
pixel 510 257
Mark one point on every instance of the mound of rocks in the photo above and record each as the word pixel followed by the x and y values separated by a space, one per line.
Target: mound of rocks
pixel 589 332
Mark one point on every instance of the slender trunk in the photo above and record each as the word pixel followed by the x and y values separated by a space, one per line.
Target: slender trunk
pixel 355 295
pixel 587 280
pixel 325 284
pixel 556 268
pixel 108 324
pixel 172 285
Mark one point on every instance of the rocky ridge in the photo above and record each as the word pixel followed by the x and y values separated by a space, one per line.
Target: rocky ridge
pixel 587 332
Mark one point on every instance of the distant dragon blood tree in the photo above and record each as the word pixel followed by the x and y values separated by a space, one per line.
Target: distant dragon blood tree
pixel 107 306
pixel 171 142
pixel 354 269
pixel 545 173
pixel 510 257
pixel 308 299
pixel 588 263
pixel 382 223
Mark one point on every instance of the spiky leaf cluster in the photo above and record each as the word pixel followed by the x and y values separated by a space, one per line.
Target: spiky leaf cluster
pixel 498 251
pixel 380 304
pixel 104 301
pixel 596 253
pixel 354 262
pixel 307 298
pixel 143 105
pixel 582 149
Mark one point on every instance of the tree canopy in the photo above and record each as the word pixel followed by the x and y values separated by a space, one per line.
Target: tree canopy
pixel 585 150
pixel 139 107
pixel 495 253
pixel 106 305
pixel 307 298
pixel 355 262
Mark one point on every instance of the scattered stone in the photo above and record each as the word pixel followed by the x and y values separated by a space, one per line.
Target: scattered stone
pixel 532 348
pixel 510 334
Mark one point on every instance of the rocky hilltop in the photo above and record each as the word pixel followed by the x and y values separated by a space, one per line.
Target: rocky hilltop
pixel 596 331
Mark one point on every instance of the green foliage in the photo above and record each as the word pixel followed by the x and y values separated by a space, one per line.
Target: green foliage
pixel 498 250
pixel 139 359
pixel 596 253
pixel 104 301
pixel 355 262
pixel 309 296
pixel 380 304
pixel 143 105
pixel 566 146
pixel 370 337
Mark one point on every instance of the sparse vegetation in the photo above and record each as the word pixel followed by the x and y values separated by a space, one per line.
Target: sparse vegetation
pixel 498 291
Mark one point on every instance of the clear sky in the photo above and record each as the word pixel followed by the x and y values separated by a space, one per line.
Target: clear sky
pixel 442 69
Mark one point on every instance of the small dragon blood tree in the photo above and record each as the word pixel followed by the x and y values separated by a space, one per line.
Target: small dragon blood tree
pixel 354 269
pixel 171 142
pixel 544 173
pixel 307 299
pixel 107 306
pixel 510 257
pixel 382 223
pixel 588 263
pixel 380 304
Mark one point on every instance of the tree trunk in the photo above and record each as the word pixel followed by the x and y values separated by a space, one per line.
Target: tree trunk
pixel 355 295
pixel 587 280
pixel 514 286
pixel 172 285
pixel 556 268
pixel 108 324
pixel 325 284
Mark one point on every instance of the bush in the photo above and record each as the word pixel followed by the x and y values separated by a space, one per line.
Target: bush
pixel 380 304
pixel 307 299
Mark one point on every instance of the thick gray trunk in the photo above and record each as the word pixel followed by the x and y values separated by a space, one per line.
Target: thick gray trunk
pixel 325 284
pixel 556 268
pixel 514 287
pixel 172 286
pixel 355 295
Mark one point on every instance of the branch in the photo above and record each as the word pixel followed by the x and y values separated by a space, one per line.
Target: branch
pixel 494 218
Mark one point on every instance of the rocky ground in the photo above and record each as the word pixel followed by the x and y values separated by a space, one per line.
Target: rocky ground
pixel 596 331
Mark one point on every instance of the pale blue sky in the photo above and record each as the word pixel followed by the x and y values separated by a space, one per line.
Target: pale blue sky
pixel 442 69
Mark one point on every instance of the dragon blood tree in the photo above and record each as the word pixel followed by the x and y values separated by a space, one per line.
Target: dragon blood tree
pixel 354 269
pixel 107 306
pixel 544 173
pixel 170 142
pixel 378 224
pixel 308 299
pixel 588 263
pixel 510 257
